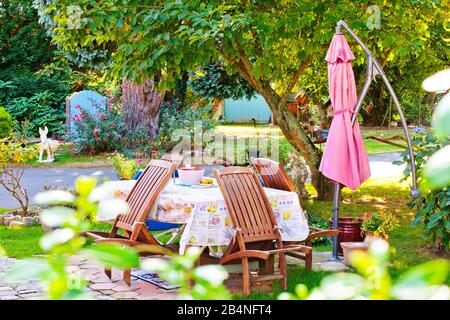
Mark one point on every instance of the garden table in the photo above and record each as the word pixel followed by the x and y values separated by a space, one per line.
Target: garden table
pixel 204 213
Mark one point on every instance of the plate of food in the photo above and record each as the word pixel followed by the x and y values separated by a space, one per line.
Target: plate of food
pixel 207 182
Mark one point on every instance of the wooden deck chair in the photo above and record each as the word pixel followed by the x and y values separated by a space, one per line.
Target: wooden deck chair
pixel 140 200
pixel 224 162
pixel 257 236
pixel 274 176
pixel 170 228
pixel 173 157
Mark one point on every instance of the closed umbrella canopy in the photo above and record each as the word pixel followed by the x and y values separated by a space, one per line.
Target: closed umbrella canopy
pixel 345 158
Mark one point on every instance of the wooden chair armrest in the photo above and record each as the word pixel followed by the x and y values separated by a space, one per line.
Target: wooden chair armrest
pixel 94 234
pixel 98 235
pixel 245 254
pixel 323 233
pixel 295 248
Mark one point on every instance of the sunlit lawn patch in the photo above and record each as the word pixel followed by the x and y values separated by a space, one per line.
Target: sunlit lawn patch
pixel 21 242
pixel 266 131
pixel 65 156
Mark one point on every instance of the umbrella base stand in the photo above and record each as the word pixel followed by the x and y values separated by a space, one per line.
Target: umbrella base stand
pixel 334 259
pixel 334 253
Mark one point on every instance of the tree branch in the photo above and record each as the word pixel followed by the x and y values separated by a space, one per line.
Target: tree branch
pixel 294 80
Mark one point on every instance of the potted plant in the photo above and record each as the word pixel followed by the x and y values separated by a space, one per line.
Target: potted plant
pixel 349 231
pixel 378 226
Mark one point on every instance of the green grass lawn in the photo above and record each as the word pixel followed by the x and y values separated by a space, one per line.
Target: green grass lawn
pixel 21 242
pixel 66 157
pixel 265 131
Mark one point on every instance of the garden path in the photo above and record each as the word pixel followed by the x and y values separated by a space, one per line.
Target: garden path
pixel 100 287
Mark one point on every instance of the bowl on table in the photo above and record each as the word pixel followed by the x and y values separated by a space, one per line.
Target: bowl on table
pixel 190 175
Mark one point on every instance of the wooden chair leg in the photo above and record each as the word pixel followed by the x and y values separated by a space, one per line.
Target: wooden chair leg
pixel 308 261
pixel 245 277
pixel 108 272
pixel 267 266
pixel 127 276
pixel 283 271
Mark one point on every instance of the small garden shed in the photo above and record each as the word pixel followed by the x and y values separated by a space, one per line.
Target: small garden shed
pixel 243 110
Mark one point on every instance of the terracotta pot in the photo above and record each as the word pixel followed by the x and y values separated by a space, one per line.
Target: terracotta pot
pixel 369 236
pixel 350 231
pixel 350 247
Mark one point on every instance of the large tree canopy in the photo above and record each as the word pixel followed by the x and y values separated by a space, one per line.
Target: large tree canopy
pixel 23 43
pixel 272 44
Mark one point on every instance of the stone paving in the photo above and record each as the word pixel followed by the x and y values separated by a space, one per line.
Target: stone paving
pixel 102 288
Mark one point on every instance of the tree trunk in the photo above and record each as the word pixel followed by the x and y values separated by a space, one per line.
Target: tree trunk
pixel 293 131
pixel 141 106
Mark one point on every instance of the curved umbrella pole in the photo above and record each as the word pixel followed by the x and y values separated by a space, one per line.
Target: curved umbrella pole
pixel 373 68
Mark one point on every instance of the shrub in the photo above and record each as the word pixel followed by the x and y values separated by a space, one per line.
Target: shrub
pixel 98 132
pixel 432 206
pixel 126 168
pixel 6 123
pixel 39 111
pixel 59 281
pixel 12 155
pixel 316 221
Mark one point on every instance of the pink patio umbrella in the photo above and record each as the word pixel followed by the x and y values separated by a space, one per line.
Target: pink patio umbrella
pixel 345 158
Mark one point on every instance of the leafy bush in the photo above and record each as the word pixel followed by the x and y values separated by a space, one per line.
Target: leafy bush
pixel 98 132
pixel 433 206
pixel 173 119
pixel 315 220
pixel 39 111
pixel 12 155
pixel 6 123
pixel 126 168
pixel 284 149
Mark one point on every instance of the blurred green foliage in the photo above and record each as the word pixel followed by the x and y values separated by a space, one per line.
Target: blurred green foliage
pixel 63 242
pixel 6 123
pixel 373 280
pixel 433 205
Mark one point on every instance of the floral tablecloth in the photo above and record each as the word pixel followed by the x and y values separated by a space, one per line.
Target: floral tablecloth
pixel 205 215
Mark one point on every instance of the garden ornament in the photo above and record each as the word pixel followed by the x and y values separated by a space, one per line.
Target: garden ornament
pixel 48 145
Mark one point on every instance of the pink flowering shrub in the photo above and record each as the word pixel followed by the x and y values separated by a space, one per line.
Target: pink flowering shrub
pixel 101 131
